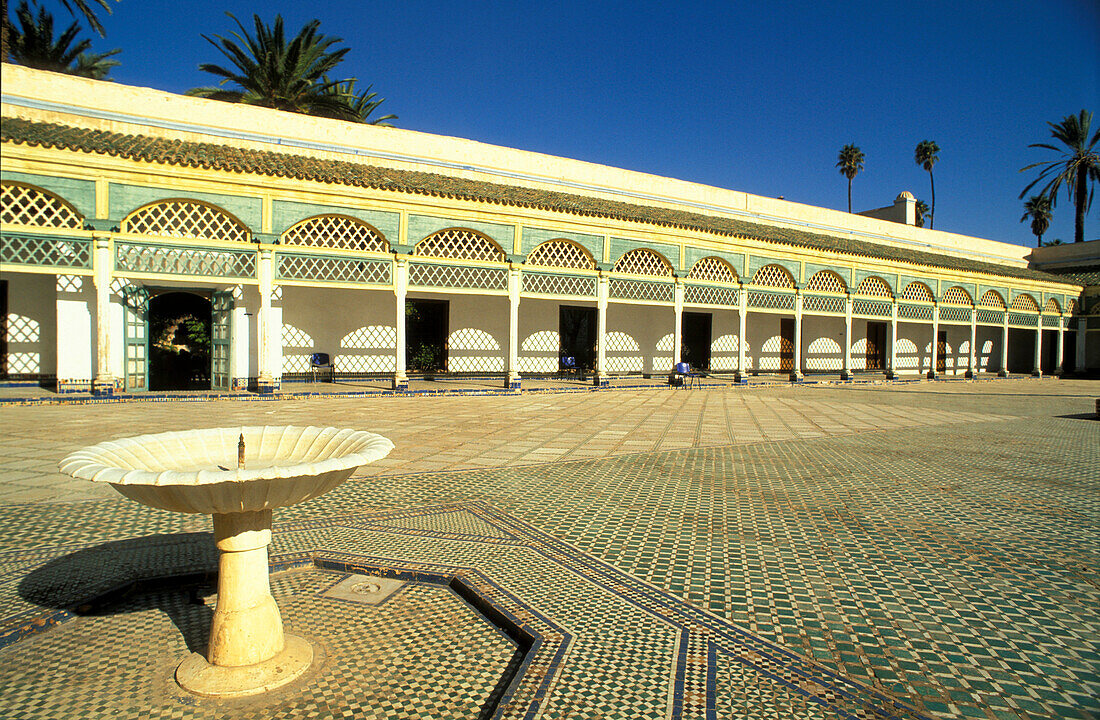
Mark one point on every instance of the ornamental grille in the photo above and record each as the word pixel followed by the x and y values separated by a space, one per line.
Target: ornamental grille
pixel 915 312
pixel 1015 318
pixel 819 304
pixel 458 276
pixel 1071 307
pixel 710 295
pixel 1051 320
pixel 22 205
pixel 184 218
pixel 871 308
pixel 875 287
pixel 770 300
pixel 184 261
pixel 308 267
pixel 1052 306
pixel 562 254
pixel 827 281
pixel 572 285
pixel 955 314
pixel 990 317
pixel 643 262
pixel 714 269
pixel 459 244
pixel 641 290
pixel 51 252
pixel 956 296
pixel 1025 303
pixel 336 231
pixel 917 291
pixel 992 299
pixel 773 276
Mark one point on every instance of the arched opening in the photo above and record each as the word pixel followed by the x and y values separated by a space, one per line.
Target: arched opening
pixel 179 341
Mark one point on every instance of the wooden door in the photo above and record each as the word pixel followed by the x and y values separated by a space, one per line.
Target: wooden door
pixel 786 344
pixel 876 346
pixel 941 352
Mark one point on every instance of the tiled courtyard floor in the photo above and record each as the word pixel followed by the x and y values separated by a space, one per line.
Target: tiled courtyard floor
pixel 912 550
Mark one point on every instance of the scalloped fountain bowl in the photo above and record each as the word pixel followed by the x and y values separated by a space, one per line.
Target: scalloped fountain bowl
pixel 197 471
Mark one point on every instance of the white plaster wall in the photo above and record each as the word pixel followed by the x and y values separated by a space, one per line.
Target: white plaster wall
pixel 762 331
pixel 912 353
pixel 355 327
pixel 823 344
pixel 477 338
pixel 724 339
pixel 32 324
pixel 988 349
pixel 76 335
pixel 639 338
pixel 539 339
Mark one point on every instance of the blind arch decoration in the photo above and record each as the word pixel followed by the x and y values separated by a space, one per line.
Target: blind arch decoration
pixel 1024 302
pixel 774 276
pixel 956 295
pixel 874 286
pixel 917 291
pixel 185 219
pixel 336 231
pixel 992 299
pixel 459 244
pixel 22 204
pixel 561 253
pixel 643 261
pixel 827 281
pixel 714 269
pixel 1052 307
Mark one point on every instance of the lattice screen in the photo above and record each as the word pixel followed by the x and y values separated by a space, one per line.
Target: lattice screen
pixel 827 281
pixel 641 290
pixel 306 267
pixel 460 244
pixel 875 287
pixel 1071 307
pixel 710 295
pixel 184 261
pixel 917 291
pixel 643 262
pixel 562 254
pixel 773 276
pixel 770 301
pixel 915 312
pixel 871 308
pixel 992 299
pixel 1052 306
pixel 956 296
pixel 336 231
pixel 819 304
pixel 185 218
pixel 571 285
pixel 45 251
pixel 714 269
pixel 990 317
pixel 955 314
pixel 1025 302
pixel 458 276
pixel 23 205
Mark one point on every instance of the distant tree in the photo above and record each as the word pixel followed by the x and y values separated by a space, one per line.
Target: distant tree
pixel 1037 208
pixel 923 212
pixel 1078 166
pixel 850 162
pixel 926 155
pixel 83 7
pixel 271 72
pixel 32 44
pixel 1048 243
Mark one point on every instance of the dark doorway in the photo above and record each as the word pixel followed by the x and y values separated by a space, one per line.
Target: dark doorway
pixel 876 345
pixel 1069 351
pixel 179 342
pixel 426 323
pixel 786 344
pixel 3 329
pixel 941 352
pixel 696 338
pixel 577 333
pixel 1050 352
pixel 1021 350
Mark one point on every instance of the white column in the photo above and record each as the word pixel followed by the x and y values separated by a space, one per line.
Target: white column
pixel 514 281
pixel 601 331
pixel 933 356
pixel 1003 372
pixel 400 291
pixel 796 372
pixel 742 312
pixel 678 322
pixel 240 339
pixel 103 383
pixel 1060 348
pixel 265 381
pixel 891 368
pixel 1037 368
pixel 972 358
pixel 846 371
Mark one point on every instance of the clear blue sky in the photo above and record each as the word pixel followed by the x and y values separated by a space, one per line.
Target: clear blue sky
pixel 752 96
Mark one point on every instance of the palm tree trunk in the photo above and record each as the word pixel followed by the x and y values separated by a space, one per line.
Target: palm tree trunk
pixel 849 194
pixel 932 220
pixel 1079 200
pixel 1039 242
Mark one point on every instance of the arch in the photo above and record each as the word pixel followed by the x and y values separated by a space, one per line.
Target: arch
pixel 827 281
pixel 775 276
pixel 874 286
pixel 1052 306
pixel 1025 302
pixel 956 295
pixel 643 261
pixel 336 231
pixel 561 253
pixel 715 269
pixel 460 244
pixel 992 299
pixel 1071 306
pixel 187 219
pixel 918 291
pixel 22 204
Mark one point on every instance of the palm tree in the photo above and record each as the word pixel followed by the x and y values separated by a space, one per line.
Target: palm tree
pixel 1077 167
pixel 1037 208
pixel 82 6
pixel 923 212
pixel 850 162
pixel 32 44
pixel 926 155
pixel 362 103
pixel 271 72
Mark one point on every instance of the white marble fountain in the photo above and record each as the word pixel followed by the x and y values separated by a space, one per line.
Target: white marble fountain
pixel 237 475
